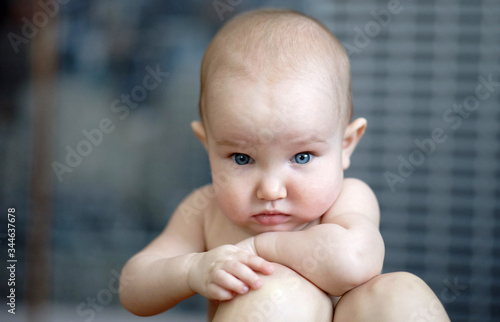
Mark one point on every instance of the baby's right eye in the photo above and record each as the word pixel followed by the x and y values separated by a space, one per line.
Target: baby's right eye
pixel 241 158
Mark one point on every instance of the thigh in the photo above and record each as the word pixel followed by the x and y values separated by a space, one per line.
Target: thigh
pixel 284 296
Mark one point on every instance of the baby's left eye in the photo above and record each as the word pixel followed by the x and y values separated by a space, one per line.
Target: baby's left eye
pixel 302 158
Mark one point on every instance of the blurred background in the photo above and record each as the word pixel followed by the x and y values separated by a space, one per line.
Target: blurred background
pixel 96 151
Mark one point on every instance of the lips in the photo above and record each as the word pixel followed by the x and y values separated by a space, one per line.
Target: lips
pixel 271 218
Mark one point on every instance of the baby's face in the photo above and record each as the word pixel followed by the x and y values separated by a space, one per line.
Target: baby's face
pixel 275 152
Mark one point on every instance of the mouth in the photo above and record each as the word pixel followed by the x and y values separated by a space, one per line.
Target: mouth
pixel 271 218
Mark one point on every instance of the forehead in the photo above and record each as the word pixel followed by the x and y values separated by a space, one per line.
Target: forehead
pixel 284 109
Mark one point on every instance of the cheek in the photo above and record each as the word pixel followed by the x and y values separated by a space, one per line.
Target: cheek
pixel 319 195
pixel 232 195
pixel 318 192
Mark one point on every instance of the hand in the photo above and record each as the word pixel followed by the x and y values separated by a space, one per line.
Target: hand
pixel 226 271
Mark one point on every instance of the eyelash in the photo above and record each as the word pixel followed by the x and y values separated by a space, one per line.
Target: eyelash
pixel 310 157
pixel 233 157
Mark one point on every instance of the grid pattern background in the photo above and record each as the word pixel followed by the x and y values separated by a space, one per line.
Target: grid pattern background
pixel 415 72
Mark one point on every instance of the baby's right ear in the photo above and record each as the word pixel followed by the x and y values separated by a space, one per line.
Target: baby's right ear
pixel 199 131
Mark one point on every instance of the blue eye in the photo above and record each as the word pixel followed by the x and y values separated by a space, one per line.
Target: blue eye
pixel 241 159
pixel 302 158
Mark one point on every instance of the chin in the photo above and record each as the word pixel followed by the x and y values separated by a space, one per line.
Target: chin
pixel 267 229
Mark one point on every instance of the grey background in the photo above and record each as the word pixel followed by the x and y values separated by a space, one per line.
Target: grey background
pixel 441 222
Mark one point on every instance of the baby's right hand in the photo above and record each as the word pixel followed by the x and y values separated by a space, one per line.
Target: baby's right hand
pixel 223 272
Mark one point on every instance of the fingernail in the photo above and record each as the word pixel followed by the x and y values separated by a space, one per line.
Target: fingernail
pixel 244 290
pixel 257 284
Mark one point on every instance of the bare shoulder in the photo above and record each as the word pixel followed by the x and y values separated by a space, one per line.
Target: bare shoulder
pixel 356 197
pixel 195 206
pixel 184 232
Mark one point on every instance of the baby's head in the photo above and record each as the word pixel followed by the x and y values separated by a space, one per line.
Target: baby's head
pixel 275 105
pixel 272 45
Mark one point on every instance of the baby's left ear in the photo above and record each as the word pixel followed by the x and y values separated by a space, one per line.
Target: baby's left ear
pixel 352 135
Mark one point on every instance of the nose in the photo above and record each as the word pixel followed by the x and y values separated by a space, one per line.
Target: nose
pixel 271 187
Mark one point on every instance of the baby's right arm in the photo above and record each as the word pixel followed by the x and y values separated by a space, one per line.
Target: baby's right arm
pixel 174 267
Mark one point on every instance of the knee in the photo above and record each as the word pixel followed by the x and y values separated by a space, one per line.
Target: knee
pixel 284 296
pixel 397 286
pixel 411 295
pixel 394 297
pixel 397 290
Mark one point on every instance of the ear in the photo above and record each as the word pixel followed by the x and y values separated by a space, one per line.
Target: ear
pixel 199 131
pixel 352 135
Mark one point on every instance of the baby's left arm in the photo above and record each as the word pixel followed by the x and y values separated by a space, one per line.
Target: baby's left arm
pixel 342 252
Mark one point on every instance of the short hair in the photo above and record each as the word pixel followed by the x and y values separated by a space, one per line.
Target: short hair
pixel 272 43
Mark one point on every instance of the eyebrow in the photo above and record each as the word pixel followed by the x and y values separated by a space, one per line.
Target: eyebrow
pixel 231 143
pixel 307 140
pixel 297 142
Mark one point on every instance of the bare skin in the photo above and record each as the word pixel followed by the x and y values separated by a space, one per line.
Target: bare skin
pixel 391 297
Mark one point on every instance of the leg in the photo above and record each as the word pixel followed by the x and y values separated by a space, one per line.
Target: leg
pixel 391 297
pixel 284 296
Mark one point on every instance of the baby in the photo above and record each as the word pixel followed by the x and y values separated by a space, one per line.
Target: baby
pixel 280 234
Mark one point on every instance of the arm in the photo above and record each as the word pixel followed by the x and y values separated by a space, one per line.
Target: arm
pixel 174 266
pixel 342 252
pixel 157 276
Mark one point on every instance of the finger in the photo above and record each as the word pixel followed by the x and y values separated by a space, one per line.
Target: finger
pixel 229 281
pixel 215 292
pixel 259 264
pixel 244 274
